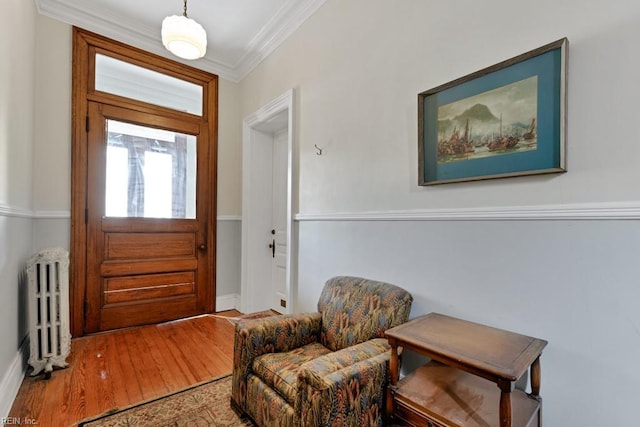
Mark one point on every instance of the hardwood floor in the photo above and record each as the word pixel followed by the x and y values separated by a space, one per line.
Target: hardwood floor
pixel 121 368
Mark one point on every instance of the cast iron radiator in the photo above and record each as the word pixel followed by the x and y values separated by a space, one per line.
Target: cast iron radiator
pixel 49 335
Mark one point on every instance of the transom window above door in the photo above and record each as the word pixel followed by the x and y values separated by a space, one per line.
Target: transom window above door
pixel 143 84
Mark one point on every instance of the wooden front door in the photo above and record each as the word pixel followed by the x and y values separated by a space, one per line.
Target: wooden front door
pixel 143 187
pixel 148 249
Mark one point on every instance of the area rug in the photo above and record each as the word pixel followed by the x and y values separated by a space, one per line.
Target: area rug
pixel 205 404
pixel 257 315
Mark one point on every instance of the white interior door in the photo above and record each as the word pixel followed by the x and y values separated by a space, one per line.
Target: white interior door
pixel 267 209
pixel 278 292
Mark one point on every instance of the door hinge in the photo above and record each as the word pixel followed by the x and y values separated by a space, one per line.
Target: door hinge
pixel 86 123
pixel 86 216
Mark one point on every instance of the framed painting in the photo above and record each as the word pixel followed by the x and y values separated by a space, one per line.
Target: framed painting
pixel 505 120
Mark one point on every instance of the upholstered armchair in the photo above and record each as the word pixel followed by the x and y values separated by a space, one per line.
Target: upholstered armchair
pixel 324 368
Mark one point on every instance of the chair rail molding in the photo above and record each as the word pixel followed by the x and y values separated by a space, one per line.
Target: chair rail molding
pixel 229 218
pixel 6 210
pixel 580 211
pixel 27 213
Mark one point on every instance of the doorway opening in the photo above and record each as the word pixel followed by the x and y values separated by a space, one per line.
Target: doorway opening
pixel 268 241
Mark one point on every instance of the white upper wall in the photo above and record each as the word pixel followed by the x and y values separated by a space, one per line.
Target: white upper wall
pixel 229 150
pixel 52 156
pixel 17 71
pixel 359 65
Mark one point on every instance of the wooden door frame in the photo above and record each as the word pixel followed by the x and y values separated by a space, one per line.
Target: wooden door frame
pixel 84 46
pixel 284 104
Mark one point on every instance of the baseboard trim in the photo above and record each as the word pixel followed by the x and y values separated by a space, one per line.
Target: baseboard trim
pixel 587 211
pixel 228 302
pixel 12 380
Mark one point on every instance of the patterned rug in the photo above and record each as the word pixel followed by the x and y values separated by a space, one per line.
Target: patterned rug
pixel 257 315
pixel 201 405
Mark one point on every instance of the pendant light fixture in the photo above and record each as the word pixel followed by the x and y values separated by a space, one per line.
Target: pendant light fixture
pixel 183 36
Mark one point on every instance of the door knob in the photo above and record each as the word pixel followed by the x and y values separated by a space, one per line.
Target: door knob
pixel 272 245
pixel 202 247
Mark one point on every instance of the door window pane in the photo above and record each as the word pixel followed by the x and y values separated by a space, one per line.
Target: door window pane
pixel 150 172
pixel 125 79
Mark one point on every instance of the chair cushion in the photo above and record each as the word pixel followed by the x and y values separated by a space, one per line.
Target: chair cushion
pixel 280 370
pixel 355 310
pixel 316 370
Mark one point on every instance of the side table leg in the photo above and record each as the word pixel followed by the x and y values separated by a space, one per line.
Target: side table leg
pixel 505 403
pixel 536 377
pixel 394 374
pixel 505 409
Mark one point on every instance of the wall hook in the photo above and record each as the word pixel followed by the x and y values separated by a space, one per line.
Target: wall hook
pixel 318 150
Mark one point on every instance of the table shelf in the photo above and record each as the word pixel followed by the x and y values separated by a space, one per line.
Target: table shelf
pixel 471 379
pixel 449 397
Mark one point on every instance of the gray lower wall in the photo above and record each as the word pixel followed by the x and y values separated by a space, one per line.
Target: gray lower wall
pixel 228 257
pixel 51 232
pixel 573 283
pixel 569 282
pixel 15 249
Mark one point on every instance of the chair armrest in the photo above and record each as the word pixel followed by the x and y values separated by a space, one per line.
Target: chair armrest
pixel 277 333
pixel 268 335
pixel 332 388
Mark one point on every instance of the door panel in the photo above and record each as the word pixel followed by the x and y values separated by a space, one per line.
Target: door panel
pixel 153 312
pixel 110 269
pixel 147 254
pixel 127 289
pixel 279 221
pixel 148 245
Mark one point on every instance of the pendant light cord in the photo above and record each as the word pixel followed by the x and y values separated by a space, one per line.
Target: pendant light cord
pixel 184 10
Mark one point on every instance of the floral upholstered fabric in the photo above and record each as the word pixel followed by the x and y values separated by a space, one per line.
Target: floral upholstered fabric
pixel 267 408
pixel 320 369
pixel 353 396
pixel 280 370
pixel 355 310
pixel 275 334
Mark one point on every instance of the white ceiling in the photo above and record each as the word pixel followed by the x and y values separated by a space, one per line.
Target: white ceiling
pixel 240 33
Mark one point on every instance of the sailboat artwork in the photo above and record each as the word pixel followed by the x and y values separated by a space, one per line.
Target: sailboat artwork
pixel 493 123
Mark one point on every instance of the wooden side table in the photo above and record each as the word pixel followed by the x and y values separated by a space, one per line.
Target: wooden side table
pixel 458 387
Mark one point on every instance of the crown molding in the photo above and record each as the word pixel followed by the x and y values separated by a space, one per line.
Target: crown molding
pixel 283 24
pixel 125 30
pixel 118 27
pixel 587 211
